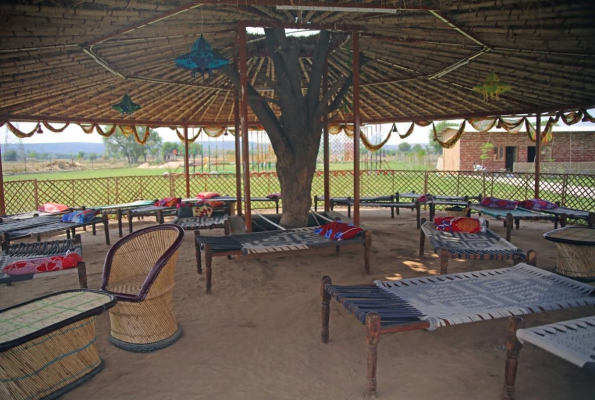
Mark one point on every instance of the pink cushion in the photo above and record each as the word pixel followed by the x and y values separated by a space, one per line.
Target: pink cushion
pixel 207 195
pixel 501 204
pixel 44 264
pixel 53 207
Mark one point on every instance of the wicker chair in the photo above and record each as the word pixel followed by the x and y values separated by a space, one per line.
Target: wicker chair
pixel 139 270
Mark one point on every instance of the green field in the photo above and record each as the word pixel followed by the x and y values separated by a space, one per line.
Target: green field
pixel 134 171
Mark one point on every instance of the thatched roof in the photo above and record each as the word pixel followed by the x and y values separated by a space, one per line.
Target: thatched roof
pixel 48 70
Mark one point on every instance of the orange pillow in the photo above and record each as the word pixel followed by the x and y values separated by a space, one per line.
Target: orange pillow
pixel 207 195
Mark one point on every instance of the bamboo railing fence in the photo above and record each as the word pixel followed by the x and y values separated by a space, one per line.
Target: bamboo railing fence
pixel 574 191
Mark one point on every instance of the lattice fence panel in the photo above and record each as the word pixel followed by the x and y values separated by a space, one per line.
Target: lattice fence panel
pixel 444 183
pixel 580 192
pixel 198 183
pixel 341 183
pixel 317 184
pixel 376 183
pixel 551 187
pixel 19 196
pixel 94 192
pixel 57 191
pixel 408 181
pixel 508 185
pixel 131 188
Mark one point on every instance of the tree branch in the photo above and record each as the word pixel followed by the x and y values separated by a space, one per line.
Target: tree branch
pixel 316 72
pixel 322 105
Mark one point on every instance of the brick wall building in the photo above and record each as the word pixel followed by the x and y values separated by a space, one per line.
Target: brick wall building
pixel 569 144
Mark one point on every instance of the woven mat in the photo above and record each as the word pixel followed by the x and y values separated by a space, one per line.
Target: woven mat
pixel 114 207
pixel 572 340
pixel 517 213
pixel 461 298
pixel 51 228
pixel 28 318
pixel 195 223
pixel 465 245
pixel 274 241
pixel 24 251
pixel 571 212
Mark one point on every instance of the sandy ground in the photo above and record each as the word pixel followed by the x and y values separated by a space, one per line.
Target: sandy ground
pixel 170 164
pixel 257 337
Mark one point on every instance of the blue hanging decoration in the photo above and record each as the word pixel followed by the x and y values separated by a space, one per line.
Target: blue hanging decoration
pixel 126 106
pixel 201 59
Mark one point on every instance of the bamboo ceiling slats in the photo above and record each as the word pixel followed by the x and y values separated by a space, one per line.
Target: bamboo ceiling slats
pixel 544 49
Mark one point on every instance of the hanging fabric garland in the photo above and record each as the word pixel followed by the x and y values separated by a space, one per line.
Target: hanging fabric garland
pixel 20 134
pixel 55 130
pixel 450 143
pixel 106 133
pixel 190 139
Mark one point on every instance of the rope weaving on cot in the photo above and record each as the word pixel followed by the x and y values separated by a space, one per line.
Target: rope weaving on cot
pixel 467 245
pixel 191 223
pixel 461 298
pixel 573 340
pixel 273 241
pixel 517 213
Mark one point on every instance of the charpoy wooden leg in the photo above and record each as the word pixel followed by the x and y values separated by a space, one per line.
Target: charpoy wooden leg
pixel 372 339
pixel 197 253
pixel 513 347
pixel 94 229
pixel 348 210
pixel 119 216
pixel 517 223
pixel 160 219
pixel 106 228
pixel 591 219
pixel 277 206
pixel 226 228
pixel 532 258
pixel 208 269
pixel 326 308
pixel 508 225
pixel 129 216
pixel 337 250
pixel 315 203
pixel 67 235
pixel 418 211
pixel 432 211
pixel 82 272
pixel 422 240
pixel 563 220
pixel 443 261
pixel 367 248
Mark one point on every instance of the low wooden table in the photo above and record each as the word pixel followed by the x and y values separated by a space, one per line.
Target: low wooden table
pixel 576 252
pixel 47 345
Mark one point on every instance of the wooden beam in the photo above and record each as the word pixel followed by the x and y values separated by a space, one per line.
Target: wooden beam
pixel 2 201
pixel 236 121
pixel 356 123
pixel 327 181
pixel 244 122
pixel 186 161
pixel 537 152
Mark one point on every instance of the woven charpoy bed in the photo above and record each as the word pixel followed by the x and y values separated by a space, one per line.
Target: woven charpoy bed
pixel 573 341
pixel 563 214
pixel 24 251
pixel 119 210
pixel 271 243
pixel 346 200
pixel 32 214
pixel 508 216
pixel 460 245
pixel 55 226
pixel 440 301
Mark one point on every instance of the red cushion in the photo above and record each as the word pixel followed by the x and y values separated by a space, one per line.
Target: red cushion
pixel 168 202
pixel 339 231
pixel 53 207
pixel 44 264
pixel 460 224
pixel 502 204
pixel 207 195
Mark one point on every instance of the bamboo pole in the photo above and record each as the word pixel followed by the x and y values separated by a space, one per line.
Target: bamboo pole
pixel 327 182
pixel 2 201
pixel 356 131
pixel 537 152
pixel 236 120
pixel 244 121
pixel 186 161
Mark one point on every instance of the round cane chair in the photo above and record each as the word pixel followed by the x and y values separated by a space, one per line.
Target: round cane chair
pixel 139 270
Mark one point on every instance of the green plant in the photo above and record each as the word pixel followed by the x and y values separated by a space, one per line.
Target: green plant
pixel 487 149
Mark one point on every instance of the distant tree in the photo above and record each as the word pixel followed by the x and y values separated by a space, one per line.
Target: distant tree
pixel 420 153
pixel 416 148
pixel 10 155
pixel 33 155
pixel 81 155
pixel 440 126
pixel 169 147
pixel 404 147
pixel 129 147
pixel 93 156
pixel 46 156
pixel 486 151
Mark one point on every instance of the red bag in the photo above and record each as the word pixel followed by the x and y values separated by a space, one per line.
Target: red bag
pixel 44 264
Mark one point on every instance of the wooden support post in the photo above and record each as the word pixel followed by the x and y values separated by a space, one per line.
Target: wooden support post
pixel 326 143
pixel 197 253
pixel 537 153
pixel 418 211
pixel 444 261
pixel 2 199
pixel 422 240
pixel 373 326
pixel 513 347
pixel 82 273
pixel 367 251
pixel 244 123
pixel 226 227
pixel 326 308
pixel 236 123
pixel 209 266
pixel 356 123
pixel 392 209
pixel 186 161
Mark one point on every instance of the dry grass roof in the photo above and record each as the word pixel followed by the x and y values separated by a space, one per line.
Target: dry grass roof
pixel 544 49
